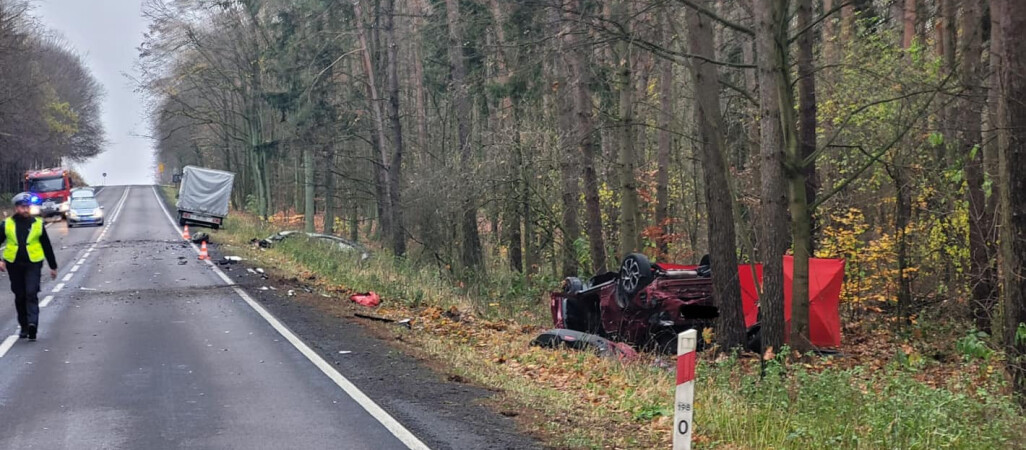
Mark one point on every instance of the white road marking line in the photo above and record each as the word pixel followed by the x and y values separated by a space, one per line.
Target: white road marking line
pixel 58 287
pixel 82 261
pixel 75 268
pixel 120 207
pixel 67 277
pixel 7 344
pixel 46 301
pixel 389 422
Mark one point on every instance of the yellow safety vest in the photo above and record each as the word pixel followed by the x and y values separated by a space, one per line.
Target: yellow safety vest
pixel 35 249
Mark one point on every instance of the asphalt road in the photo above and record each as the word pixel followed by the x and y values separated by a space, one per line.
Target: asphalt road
pixel 142 346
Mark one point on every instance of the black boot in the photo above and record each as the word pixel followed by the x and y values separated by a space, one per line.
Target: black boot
pixel 23 333
pixel 32 331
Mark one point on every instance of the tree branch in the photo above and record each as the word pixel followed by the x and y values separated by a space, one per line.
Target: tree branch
pixel 820 199
pixel 819 19
pixel 712 15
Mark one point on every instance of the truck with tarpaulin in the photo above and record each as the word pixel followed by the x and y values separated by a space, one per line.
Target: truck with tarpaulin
pixel 204 196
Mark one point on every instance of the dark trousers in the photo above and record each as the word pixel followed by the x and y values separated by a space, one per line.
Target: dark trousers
pixel 25 285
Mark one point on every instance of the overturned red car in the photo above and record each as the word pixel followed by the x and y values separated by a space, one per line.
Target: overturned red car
pixel 648 304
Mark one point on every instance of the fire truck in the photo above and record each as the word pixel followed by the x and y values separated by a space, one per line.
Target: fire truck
pixel 51 191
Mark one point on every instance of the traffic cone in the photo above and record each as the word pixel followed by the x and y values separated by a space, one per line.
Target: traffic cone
pixel 203 251
pixel 185 233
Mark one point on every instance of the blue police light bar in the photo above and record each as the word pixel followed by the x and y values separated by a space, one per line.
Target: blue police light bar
pixel 35 199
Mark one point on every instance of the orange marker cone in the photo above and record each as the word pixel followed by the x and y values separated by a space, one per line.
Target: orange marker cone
pixel 185 233
pixel 203 251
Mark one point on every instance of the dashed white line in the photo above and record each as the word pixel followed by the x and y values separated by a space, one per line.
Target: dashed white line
pixel 7 344
pixel 67 277
pixel 397 429
pixel 75 268
pixel 46 301
pixel 81 261
pixel 58 287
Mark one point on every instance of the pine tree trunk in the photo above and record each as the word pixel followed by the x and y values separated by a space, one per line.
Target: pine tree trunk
pixel 398 235
pixel 909 24
pixel 829 34
pixel 378 140
pixel 471 253
pixel 584 109
pixel 774 230
pixel 807 112
pixel 982 257
pixel 567 135
pixel 730 325
pixel 329 190
pixel 630 228
pixel 665 142
pixel 1013 204
pixel 308 189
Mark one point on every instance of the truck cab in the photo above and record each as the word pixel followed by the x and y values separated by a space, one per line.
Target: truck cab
pixel 53 189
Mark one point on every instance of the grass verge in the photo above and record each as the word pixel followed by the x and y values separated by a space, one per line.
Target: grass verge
pixel 578 400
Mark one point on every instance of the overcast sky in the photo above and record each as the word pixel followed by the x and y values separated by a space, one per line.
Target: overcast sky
pixel 106 33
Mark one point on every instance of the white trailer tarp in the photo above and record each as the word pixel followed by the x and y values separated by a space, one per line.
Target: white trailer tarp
pixel 205 191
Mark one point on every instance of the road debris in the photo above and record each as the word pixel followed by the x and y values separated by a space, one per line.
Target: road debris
pixel 370 299
pixel 233 259
pixel 577 340
pixel 375 318
pixel 340 243
pixel 200 237
pixel 291 292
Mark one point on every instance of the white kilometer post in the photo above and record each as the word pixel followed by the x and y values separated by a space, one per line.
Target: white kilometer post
pixel 684 402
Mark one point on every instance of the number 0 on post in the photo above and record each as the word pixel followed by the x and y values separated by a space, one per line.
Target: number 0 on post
pixel 683 408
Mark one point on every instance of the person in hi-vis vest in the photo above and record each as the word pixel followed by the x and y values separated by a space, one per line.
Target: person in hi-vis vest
pixel 27 244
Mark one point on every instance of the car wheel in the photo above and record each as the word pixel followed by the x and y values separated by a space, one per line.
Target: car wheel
pixel 635 274
pixel 572 285
pixel 101 223
pixel 71 225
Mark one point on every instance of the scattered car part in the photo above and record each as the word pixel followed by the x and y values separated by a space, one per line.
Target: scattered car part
pixel 572 285
pixel 369 299
pixel 342 243
pixel 374 318
pixel 577 340
pixel 200 237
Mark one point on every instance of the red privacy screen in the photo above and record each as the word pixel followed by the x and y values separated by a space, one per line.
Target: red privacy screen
pixel 825 278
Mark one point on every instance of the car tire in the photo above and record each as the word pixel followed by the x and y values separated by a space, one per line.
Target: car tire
pixel 572 285
pixel 101 223
pixel 71 225
pixel 635 273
